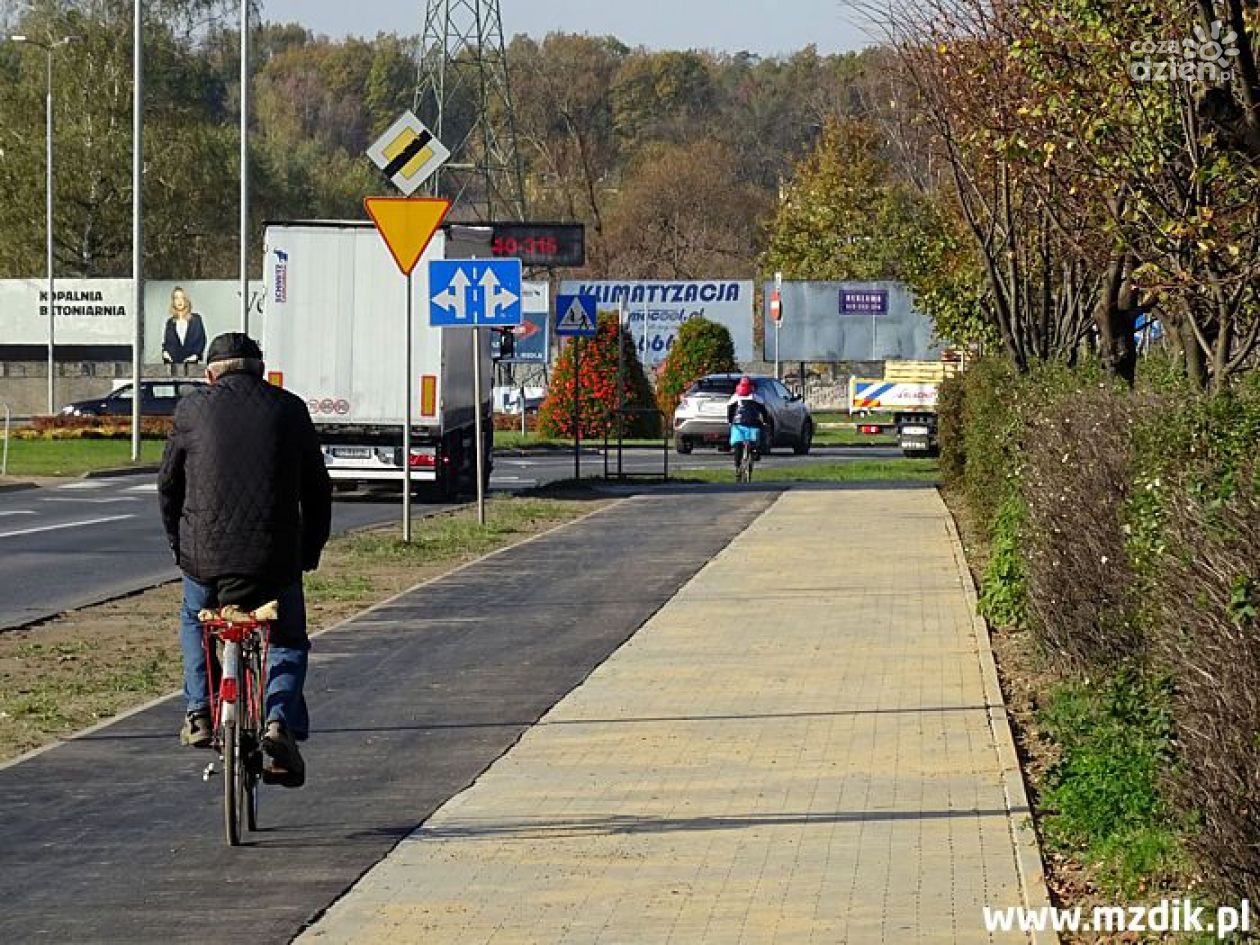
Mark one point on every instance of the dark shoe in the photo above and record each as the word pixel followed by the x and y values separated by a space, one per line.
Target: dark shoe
pixel 282 762
pixel 196 732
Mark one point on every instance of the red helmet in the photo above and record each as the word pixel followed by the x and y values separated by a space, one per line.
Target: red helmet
pixel 744 387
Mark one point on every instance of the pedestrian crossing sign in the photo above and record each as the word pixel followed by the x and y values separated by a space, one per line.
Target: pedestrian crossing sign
pixel 576 315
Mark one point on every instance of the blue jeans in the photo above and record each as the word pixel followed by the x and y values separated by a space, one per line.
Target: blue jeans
pixel 286 665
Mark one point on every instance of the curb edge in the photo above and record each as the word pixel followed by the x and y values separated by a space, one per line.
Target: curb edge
pixel 1028 861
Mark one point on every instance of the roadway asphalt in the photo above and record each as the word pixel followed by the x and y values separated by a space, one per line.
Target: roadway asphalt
pixel 89 540
pixel 86 541
pixel 114 838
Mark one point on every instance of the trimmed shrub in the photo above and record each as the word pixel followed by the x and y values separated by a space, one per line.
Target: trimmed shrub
pixel 1196 554
pixel 952 430
pixel 992 436
pixel 511 422
pixel 60 427
pixel 598 387
pixel 702 347
pixel 1076 485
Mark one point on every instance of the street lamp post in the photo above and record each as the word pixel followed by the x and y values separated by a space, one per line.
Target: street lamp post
pixel 49 47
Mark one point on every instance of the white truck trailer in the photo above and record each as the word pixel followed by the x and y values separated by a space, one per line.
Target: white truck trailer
pixel 334 335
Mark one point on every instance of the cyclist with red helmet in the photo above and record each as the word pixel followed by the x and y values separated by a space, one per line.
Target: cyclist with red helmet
pixel 748 417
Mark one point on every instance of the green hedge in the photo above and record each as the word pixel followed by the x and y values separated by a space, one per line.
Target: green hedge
pixel 1124 530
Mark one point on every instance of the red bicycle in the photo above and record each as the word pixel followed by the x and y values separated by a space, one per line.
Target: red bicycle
pixel 237 707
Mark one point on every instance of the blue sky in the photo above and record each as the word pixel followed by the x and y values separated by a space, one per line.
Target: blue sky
pixel 766 27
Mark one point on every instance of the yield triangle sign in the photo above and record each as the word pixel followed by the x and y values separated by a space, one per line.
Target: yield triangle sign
pixel 576 314
pixel 407 224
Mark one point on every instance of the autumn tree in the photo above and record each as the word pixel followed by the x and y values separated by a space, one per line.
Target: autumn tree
pixel 600 365
pixel 1092 191
pixel 565 127
pixel 684 212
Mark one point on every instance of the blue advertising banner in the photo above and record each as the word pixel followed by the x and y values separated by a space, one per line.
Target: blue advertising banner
pixel 863 301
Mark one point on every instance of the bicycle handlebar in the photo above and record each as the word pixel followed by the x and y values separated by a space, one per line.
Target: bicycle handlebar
pixel 232 615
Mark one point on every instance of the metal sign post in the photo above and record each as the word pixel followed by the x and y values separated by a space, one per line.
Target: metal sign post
pixel 621 384
pixel 406 458
pixel 406 225
pixel 577 409
pixel 577 316
pixel 407 154
pixel 476 293
pixel 776 313
pixel 481 453
pixel 137 224
pixel 244 208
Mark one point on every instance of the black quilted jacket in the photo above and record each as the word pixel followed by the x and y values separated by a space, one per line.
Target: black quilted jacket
pixel 243 487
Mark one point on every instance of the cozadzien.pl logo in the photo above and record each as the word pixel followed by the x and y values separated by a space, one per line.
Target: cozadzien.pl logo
pixel 1205 56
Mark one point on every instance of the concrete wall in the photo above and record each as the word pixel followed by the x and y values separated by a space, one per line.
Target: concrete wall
pixel 24 384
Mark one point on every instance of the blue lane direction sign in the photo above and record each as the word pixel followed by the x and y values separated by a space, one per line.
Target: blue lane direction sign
pixel 474 293
pixel 577 315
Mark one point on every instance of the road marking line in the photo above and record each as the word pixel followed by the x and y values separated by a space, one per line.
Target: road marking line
pixel 82 499
pixel 86 484
pixel 19 512
pixel 147 487
pixel 52 528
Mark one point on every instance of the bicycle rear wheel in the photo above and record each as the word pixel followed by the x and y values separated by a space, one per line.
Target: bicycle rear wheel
pixel 233 775
pixel 251 740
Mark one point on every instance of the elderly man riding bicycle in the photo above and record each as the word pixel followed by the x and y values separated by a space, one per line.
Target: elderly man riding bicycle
pixel 247 504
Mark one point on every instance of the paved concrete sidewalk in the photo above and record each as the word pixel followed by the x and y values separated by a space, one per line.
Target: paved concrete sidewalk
pixel 799 747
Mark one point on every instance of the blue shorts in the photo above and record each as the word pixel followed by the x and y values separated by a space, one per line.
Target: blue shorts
pixel 743 434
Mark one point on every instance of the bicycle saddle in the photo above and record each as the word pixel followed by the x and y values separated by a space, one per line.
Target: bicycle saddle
pixel 234 614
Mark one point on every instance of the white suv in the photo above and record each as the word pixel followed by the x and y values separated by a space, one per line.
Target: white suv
pixel 700 417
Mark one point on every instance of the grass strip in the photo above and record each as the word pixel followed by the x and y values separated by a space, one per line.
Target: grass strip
pixel 862 470
pixel 75 457
pixel 90 664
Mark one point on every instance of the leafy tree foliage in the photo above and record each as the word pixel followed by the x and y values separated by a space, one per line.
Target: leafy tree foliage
pixel 1095 190
pixel 848 214
pixel 671 159
pixel 599 364
pixel 702 347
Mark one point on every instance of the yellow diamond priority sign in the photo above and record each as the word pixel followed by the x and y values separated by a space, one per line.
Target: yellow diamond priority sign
pixel 408 153
pixel 407 224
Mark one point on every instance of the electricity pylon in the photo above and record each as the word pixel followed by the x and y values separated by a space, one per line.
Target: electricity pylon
pixel 463 94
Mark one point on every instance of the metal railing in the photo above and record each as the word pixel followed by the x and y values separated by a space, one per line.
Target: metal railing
pixel 621 473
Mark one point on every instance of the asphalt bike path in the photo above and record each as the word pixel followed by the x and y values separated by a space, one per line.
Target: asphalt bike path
pixel 113 837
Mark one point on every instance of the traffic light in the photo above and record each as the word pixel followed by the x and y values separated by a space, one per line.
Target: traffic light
pixel 507 343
